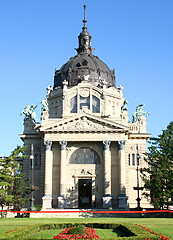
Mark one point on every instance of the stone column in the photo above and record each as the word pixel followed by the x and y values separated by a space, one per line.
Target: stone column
pixel 122 196
pixel 62 197
pixel 107 199
pixel 47 199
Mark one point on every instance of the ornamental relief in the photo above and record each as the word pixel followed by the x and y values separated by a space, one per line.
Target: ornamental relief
pixel 84 123
pixel 84 172
pixel 84 92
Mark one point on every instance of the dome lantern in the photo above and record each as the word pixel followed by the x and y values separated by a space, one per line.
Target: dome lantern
pixel 84 38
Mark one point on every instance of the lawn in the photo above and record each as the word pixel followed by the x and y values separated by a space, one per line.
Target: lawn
pixel 159 225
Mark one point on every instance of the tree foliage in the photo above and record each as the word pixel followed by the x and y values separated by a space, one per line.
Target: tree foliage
pixel 158 176
pixel 13 184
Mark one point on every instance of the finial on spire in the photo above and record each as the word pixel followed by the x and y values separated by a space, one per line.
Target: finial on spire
pixel 84 38
pixel 84 21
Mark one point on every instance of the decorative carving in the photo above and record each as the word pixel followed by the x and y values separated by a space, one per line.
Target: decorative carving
pixel 29 112
pixel 84 78
pixel 85 124
pixel 84 172
pixel 124 106
pixel 65 82
pixel 106 144
pixel 139 112
pixel 49 90
pixel 48 144
pixel 45 106
pixel 84 92
pixel 63 144
pixel 121 144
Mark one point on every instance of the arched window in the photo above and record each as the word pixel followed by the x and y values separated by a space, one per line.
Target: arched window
pixel 84 156
pixel 84 101
pixel 73 104
pixel 95 104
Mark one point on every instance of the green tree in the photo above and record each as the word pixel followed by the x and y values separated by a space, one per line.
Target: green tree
pixel 158 176
pixel 14 187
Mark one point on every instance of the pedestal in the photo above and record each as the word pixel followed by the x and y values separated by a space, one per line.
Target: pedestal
pixel 62 202
pixel 107 202
pixel 122 201
pixel 46 202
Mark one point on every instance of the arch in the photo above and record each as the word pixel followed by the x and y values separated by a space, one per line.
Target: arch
pixel 84 156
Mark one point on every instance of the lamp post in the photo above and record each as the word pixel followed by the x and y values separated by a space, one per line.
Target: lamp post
pixel 138 188
pixel 32 178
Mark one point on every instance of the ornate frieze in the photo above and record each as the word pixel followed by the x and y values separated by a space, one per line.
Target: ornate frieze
pixel 84 92
pixel 84 124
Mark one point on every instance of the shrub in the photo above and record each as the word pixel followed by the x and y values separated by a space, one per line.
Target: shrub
pixel 77 230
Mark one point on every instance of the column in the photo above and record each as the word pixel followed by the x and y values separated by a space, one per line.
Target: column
pixel 122 168
pixel 47 199
pixel 62 197
pixel 107 199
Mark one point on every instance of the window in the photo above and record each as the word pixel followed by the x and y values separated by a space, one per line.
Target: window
pixel 36 159
pixel 84 156
pixel 73 105
pixel 129 159
pixel 85 101
pixel 133 159
pixel 95 105
pixel 138 159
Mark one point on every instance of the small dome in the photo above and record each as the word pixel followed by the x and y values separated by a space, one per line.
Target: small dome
pixel 84 66
pixel 81 65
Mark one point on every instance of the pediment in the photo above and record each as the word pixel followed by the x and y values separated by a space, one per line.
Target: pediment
pixel 84 123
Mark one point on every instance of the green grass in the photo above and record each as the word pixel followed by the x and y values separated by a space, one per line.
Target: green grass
pixel 159 225
pixel 47 234
pixel 104 233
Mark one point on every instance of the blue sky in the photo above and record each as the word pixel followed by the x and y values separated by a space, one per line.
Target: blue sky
pixel 133 36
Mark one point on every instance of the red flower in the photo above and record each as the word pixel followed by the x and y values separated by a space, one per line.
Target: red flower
pixel 161 235
pixel 90 233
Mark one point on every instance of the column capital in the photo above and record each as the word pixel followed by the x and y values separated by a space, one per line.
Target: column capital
pixel 106 144
pixel 63 144
pixel 48 144
pixel 121 144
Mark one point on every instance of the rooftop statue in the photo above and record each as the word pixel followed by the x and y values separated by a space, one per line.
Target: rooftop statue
pixel 124 106
pixel 29 112
pixel 139 112
pixel 45 106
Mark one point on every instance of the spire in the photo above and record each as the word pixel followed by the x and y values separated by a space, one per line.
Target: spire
pixel 84 21
pixel 84 38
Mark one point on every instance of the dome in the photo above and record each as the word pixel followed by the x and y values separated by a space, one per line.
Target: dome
pixel 84 66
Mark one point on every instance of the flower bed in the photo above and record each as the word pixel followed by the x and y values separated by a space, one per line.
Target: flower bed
pixel 88 233
pixel 152 232
pixel 130 231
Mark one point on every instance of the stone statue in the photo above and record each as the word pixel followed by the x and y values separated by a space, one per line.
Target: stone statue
pixel 139 112
pixel 124 106
pixel 29 112
pixel 45 106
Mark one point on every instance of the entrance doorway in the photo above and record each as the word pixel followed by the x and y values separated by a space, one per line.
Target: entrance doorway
pixel 85 193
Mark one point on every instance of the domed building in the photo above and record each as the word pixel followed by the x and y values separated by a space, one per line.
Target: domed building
pixel 85 152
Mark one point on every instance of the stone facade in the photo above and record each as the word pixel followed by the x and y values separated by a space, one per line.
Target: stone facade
pixel 85 148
